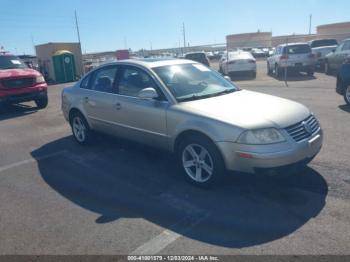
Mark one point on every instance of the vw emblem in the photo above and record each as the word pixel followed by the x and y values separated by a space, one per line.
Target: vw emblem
pixel 307 127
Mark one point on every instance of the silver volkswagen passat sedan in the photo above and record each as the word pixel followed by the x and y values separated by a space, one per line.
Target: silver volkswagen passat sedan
pixel 188 109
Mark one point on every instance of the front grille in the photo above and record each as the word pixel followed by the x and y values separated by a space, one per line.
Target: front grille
pixel 18 82
pixel 303 129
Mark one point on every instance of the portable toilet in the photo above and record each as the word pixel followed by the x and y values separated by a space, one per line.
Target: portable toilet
pixel 64 66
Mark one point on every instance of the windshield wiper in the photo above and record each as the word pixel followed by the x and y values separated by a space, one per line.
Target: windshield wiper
pixel 197 97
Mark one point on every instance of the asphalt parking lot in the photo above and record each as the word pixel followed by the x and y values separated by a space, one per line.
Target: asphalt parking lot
pixel 117 197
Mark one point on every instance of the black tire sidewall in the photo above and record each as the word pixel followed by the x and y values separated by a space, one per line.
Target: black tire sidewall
pixel 345 98
pixel 219 166
pixel 42 102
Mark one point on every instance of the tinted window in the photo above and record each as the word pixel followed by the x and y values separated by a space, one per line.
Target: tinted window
pixel 346 46
pixel 133 80
pixel 198 56
pixel 11 62
pixel 85 82
pixel 103 80
pixel 297 49
pixel 324 42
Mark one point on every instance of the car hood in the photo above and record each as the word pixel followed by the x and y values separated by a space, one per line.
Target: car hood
pixel 249 110
pixel 26 72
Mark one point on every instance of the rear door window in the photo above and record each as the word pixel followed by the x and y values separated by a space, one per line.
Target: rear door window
pixel 104 79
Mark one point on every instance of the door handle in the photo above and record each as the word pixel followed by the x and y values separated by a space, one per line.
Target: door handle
pixel 118 106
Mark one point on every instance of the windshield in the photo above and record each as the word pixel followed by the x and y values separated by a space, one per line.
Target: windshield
pixel 193 81
pixel 325 42
pixel 11 62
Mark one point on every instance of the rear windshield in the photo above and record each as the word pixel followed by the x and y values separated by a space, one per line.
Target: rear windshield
pixel 10 62
pixel 195 56
pixel 297 49
pixel 324 42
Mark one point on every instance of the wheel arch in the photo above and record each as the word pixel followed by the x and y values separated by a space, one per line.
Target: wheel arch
pixel 75 110
pixel 187 133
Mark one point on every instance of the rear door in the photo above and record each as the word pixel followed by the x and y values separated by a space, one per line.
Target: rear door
pixel 142 120
pixel 99 99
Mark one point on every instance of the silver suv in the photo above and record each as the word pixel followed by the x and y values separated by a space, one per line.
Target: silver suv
pixel 297 57
pixel 184 107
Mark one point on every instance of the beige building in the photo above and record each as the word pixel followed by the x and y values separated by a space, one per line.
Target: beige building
pixel 45 52
pixel 278 40
pixel 258 39
pixel 339 31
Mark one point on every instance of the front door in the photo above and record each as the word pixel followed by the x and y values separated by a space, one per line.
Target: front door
pixel 140 119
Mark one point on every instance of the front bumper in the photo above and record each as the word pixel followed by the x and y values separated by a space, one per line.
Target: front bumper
pixel 25 97
pixel 254 158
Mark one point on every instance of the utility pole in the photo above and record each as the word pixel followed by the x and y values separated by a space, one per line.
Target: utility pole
pixel 78 33
pixel 77 25
pixel 184 36
pixel 310 23
pixel 33 44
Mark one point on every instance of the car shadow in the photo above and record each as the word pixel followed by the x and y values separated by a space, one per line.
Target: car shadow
pixel 294 76
pixel 120 179
pixel 16 110
pixel 345 108
pixel 243 76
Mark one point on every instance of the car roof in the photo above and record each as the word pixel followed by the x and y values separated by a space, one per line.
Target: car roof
pixel 289 44
pixel 152 62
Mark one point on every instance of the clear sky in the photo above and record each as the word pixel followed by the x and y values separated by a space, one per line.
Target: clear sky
pixel 113 24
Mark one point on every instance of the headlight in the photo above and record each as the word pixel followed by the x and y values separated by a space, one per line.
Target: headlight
pixel 261 137
pixel 39 79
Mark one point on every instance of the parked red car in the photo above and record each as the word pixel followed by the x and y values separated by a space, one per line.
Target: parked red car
pixel 18 83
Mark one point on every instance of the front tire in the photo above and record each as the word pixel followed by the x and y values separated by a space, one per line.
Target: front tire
pixel 80 129
pixel 201 161
pixel 42 103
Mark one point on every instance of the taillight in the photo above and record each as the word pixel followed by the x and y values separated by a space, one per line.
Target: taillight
pixel 311 56
pixel 284 57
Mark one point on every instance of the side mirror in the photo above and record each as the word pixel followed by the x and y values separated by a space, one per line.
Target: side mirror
pixel 148 93
pixel 227 78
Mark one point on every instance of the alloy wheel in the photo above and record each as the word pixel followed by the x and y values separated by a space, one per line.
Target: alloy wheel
pixel 79 129
pixel 197 163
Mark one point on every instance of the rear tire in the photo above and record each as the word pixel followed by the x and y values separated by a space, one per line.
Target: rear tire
pixel 269 71
pixel 347 95
pixel 42 103
pixel 278 71
pixel 80 129
pixel 310 72
pixel 200 161
pixel 327 69
pixel 253 74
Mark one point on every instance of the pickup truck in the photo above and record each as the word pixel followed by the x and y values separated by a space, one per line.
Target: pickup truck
pixel 322 47
pixel 18 83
